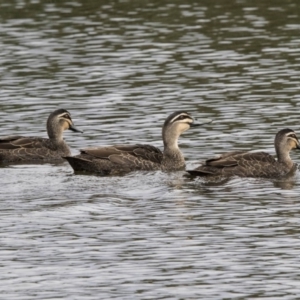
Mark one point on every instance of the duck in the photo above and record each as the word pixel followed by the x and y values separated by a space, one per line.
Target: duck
pixel 24 149
pixel 117 159
pixel 254 164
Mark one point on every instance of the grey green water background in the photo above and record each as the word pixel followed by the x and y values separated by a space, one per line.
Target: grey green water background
pixel 120 67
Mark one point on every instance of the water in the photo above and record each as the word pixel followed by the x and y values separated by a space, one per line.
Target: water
pixel 120 67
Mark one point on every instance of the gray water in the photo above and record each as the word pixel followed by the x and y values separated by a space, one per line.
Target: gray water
pixel 120 67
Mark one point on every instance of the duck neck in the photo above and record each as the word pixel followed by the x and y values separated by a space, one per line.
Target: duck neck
pixel 173 157
pixel 55 134
pixel 284 157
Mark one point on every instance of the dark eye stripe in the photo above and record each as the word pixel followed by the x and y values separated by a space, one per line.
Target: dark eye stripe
pixel 182 117
pixel 66 116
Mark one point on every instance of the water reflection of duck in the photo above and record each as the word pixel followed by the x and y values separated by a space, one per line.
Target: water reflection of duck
pixel 254 164
pixel 22 149
pixel 125 158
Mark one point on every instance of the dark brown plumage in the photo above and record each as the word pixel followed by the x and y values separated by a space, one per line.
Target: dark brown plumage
pixel 254 164
pixel 23 149
pixel 117 159
pixel 125 158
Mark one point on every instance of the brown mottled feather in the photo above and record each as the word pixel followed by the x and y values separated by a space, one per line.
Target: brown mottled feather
pixel 20 148
pixel 254 164
pixel 117 159
pixel 243 164
pixel 125 158
pixel 143 151
pixel 20 142
pixel 15 149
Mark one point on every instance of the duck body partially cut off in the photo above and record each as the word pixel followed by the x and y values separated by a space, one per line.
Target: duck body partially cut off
pixel 36 149
pixel 254 164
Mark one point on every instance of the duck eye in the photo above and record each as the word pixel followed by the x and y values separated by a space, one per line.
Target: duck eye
pixel 181 117
pixel 66 116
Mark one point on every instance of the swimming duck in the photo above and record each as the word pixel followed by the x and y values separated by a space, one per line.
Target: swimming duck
pixel 125 158
pixel 254 164
pixel 22 149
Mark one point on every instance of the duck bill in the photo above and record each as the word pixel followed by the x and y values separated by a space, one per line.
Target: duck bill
pixel 204 121
pixel 73 128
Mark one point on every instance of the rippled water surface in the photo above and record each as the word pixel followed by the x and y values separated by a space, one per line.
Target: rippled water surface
pixel 120 67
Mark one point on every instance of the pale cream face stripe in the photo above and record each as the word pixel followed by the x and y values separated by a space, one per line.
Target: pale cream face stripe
pixel 182 114
pixel 290 133
pixel 292 136
pixel 63 116
pixel 67 118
